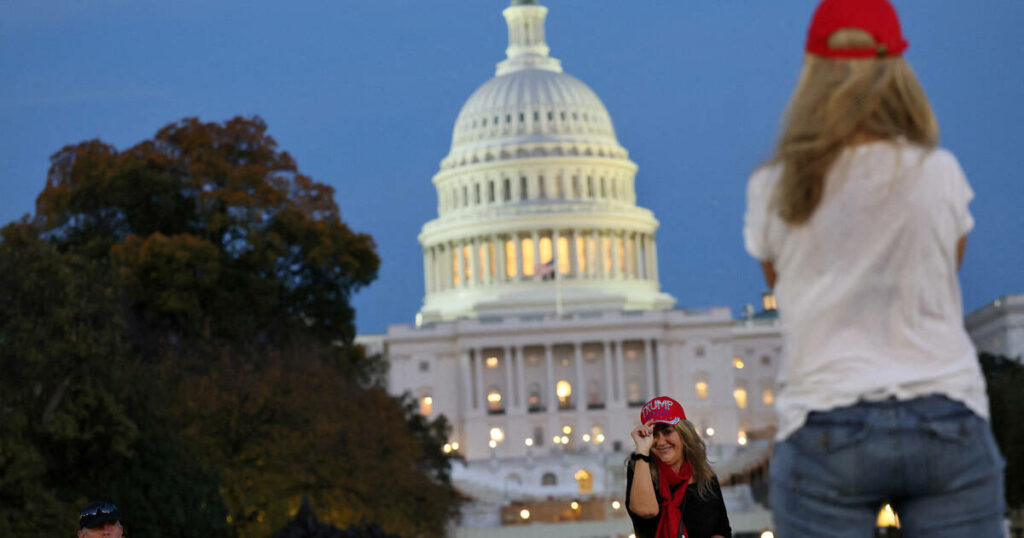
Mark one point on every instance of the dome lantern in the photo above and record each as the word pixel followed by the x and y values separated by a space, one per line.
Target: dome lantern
pixel 526 46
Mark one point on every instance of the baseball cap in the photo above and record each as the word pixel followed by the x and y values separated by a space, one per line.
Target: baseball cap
pixel 876 17
pixel 96 514
pixel 662 409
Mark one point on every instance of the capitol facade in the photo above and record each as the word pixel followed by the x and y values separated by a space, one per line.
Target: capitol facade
pixel 544 328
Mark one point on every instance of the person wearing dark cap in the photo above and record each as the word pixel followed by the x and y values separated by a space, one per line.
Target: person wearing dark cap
pixel 860 222
pixel 100 520
pixel 671 490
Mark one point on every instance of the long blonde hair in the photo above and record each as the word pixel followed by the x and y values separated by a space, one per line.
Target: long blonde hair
pixel 835 102
pixel 695 452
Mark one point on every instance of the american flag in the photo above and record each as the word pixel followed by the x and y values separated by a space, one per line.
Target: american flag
pixel 545 271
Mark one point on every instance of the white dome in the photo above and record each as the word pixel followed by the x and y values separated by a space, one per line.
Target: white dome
pixel 536 190
pixel 532 105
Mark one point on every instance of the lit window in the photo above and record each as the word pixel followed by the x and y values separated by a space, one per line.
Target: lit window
pixel 741 438
pixel 510 258
pixel 769 302
pixel 494 400
pixel 563 389
pixel 585 481
pixel 581 254
pixel 497 435
pixel 563 255
pixel 767 396
pixel 737 363
pixel 740 394
pixel 492 362
pixel 544 245
pixel 702 390
pixel 528 258
pixel 426 405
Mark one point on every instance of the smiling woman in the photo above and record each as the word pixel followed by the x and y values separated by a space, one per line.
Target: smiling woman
pixel 675 492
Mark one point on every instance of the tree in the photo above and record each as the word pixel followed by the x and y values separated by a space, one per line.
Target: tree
pixel 68 431
pixel 210 280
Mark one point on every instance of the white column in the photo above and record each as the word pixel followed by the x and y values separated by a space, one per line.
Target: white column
pixel 478 368
pixel 551 400
pixel 518 242
pixel 662 356
pixel 510 401
pixel 649 370
pixel 614 237
pixel 555 255
pixel 636 255
pixel 536 252
pixel 620 371
pixel 609 380
pixel 427 266
pixel 520 379
pixel 467 382
pixel 574 255
pixel 474 263
pixel 581 386
pixel 594 255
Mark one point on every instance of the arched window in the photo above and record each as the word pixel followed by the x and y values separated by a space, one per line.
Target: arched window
pixel 549 479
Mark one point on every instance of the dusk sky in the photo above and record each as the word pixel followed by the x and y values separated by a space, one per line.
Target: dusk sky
pixel 365 94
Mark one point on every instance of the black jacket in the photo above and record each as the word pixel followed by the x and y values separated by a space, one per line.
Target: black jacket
pixel 703 518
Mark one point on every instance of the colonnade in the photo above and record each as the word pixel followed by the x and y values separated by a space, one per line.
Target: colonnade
pixel 485 260
pixel 513 382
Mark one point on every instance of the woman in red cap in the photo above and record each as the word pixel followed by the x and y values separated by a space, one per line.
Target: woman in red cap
pixel 671 490
pixel 860 223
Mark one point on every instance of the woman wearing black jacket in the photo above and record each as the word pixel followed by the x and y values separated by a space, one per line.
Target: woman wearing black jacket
pixel 671 490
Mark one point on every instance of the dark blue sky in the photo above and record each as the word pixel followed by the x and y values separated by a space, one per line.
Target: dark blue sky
pixel 365 94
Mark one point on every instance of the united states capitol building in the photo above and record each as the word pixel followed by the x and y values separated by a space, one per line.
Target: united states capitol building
pixel 544 328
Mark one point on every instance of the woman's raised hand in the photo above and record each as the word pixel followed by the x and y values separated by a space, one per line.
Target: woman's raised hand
pixel 643 437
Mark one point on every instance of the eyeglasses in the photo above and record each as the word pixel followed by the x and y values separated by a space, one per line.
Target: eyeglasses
pixel 99 509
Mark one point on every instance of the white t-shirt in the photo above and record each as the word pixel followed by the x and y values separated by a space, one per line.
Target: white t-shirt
pixel 867 288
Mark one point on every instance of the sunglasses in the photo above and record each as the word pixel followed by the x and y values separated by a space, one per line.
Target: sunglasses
pixel 98 510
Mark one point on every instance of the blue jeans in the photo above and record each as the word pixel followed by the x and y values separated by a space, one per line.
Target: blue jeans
pixel 934 460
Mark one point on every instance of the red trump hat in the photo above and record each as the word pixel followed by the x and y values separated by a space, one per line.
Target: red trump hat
pixel 662 409
pixel 876 17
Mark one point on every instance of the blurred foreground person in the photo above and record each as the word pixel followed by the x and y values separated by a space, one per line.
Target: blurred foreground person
pixel 860 223
pixel 671 490
pixel 100 520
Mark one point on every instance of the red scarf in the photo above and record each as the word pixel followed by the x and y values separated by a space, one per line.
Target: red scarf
pixel 671 503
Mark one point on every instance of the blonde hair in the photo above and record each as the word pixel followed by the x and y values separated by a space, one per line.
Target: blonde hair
pixel 837 101
pixel 695 452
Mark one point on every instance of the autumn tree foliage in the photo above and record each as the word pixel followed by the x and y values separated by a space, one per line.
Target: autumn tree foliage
pixel 180 315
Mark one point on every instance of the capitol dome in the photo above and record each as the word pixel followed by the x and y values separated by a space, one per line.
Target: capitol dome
pixel 536 203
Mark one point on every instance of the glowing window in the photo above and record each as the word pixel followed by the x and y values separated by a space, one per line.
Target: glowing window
pixel 494 400
pixel 510 258
pixel 528 258
pixel 740 394
pixel 482 257
pixel 563 389
pixel 491 362
pixel 467 257
pixel 585 481
pixel 737 363
pixel 702 390
pixel 621 252
pixel 581 254
pixel 426 405
pixel 767 396
pixel 563 255
pixel 497 435
pixel 491 250
pixel 545 250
